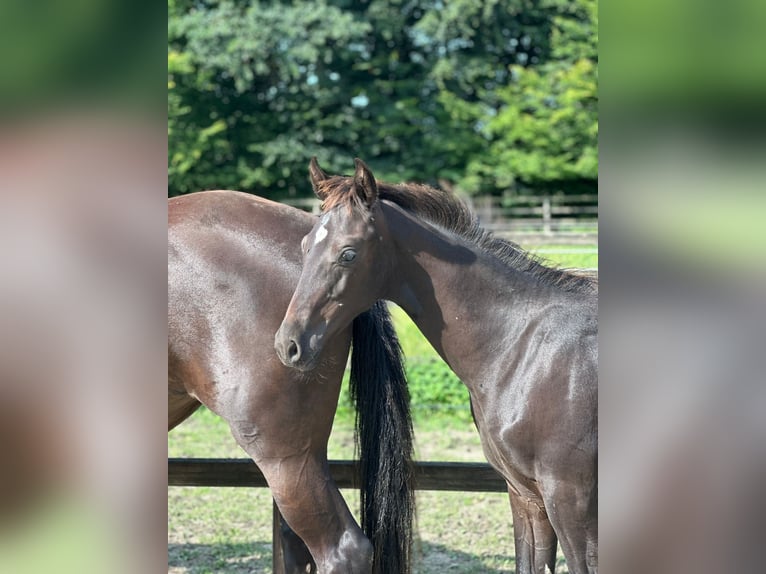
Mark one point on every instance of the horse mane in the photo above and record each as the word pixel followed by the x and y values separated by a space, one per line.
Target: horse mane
pixel 450 213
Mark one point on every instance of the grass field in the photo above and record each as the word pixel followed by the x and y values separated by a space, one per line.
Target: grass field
pixel 229 529
pixel 569 256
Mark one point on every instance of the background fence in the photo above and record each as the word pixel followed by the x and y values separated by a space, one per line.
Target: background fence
pixel 528 219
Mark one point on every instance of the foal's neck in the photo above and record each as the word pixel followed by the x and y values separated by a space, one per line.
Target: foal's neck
pixel 467 303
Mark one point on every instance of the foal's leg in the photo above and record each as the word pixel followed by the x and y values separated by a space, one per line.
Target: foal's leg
pixel 533 534
pixel 573 512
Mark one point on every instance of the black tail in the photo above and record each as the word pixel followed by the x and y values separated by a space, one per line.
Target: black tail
pixel 384 440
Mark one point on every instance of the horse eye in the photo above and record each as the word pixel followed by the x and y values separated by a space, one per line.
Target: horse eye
pixel 348 255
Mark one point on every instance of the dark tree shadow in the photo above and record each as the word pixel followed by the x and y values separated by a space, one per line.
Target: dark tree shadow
pixel 241 558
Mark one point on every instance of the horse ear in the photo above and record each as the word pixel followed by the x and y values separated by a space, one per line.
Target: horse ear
pixel 364 183
pixel 317 175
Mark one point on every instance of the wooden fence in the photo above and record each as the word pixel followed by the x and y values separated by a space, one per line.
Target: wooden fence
pixel 241 472
pixel 525 218
pixel 444 476
pixel 549 212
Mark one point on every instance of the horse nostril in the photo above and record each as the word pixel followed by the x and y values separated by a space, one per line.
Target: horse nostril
pixel 293 351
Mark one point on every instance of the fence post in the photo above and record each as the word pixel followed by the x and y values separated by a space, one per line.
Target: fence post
pixel 547 214
pixel 278 554
pixel 289 553
pixel 484 208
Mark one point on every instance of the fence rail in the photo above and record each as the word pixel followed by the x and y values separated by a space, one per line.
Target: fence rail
pixel 241 472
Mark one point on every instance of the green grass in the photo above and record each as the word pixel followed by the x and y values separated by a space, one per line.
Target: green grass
pixel 229 529
pixel 568 256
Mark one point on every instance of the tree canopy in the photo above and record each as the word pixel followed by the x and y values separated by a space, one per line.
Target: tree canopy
pixel 478 95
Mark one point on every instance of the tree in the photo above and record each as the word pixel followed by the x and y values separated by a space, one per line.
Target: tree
pixel 249 91
pixel 474 94
pixel 535 106
pixel 256 90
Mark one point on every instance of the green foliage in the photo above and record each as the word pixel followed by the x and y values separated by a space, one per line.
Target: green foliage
pixel 434 389
pixel 540 124
pixel 545 130
pixel 476 95
pixel 252 90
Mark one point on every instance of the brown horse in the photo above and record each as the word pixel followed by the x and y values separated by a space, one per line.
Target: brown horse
pixel 521 336
pixel 233 263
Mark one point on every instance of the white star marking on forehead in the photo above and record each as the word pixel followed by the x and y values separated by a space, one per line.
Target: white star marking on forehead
pixel 321 232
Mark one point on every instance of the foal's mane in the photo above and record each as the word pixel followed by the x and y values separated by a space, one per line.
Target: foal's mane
pixel 448 212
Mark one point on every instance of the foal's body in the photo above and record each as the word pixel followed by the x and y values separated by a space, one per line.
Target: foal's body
pixel 527 354
pixel 520 336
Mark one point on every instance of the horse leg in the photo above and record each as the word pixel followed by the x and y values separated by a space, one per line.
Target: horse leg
pixel 573 512
pixel 180 407
pixel 295 465
pixel 295 557
pixel 180 403
pixel 314 509
pixel 534 538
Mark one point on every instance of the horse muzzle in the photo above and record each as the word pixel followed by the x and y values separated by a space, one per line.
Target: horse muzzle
pixel 295 350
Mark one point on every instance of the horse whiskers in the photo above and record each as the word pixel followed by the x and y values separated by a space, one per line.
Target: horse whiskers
pixel 320 373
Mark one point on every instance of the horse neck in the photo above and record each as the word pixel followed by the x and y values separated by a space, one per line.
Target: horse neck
pixel 468 304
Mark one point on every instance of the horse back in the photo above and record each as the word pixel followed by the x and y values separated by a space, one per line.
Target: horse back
pixel 233 261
